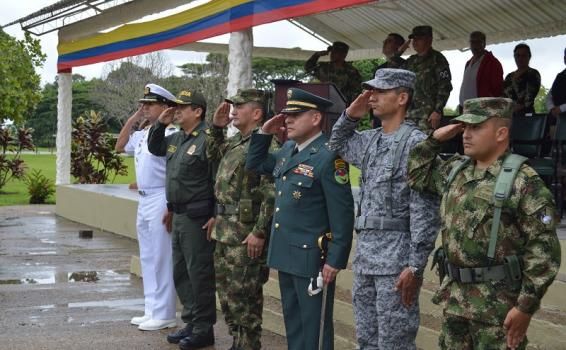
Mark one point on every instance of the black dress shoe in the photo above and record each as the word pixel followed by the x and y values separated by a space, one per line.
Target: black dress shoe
pixel 197 341
pixel 177 336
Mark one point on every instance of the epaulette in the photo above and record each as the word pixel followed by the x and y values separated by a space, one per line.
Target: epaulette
pixel 195 133
pixel 207 131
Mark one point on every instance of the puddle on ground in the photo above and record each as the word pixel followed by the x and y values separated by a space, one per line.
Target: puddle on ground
pixel 51 276
pixel 47 241
pixel 44 252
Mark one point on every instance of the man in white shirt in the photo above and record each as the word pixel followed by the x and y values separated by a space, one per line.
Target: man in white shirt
pixel 153 220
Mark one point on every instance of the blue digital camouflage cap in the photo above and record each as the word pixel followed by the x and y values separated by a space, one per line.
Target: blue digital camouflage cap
pixel 390 78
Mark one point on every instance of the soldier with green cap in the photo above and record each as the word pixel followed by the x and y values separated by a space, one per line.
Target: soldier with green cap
pixel 244 206
pixel 433 85
pixel 339 72
pixel 312 198
pixel 500 251
pixel 190 196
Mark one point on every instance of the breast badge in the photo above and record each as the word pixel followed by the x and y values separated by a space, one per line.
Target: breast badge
pixel 341 173
pixel 192 150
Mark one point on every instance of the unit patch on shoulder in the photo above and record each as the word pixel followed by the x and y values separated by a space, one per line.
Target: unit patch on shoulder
pixel 340 172
pixel 171 149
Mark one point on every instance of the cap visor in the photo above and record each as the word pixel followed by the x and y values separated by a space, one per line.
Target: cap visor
pixel 294 110
pixel 370 84
pixel 471 119
pixel 179 102
pixel 147 100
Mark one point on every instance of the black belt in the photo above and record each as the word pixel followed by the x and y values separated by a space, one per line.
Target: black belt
pixel 475 274
pixel 182 208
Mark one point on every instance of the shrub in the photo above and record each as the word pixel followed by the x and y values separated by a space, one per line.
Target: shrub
pixel 13 141
pixel 39 187
pixel 93 159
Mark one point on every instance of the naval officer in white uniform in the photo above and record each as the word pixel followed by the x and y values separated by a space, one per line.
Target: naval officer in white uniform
pixel 153 220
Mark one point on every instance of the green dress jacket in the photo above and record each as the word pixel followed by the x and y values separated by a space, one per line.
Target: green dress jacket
pixel 312 197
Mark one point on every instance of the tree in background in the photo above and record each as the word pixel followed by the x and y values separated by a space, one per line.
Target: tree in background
pixel 210 78
pixel 540 100
pixel 44 119
pixel 265 69
pixel 123 82
pixel 19 83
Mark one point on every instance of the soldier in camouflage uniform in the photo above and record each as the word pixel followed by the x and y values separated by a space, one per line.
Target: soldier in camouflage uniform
pixel 337 71
pixel 243 217
pixel 485 307
pixel 433 85
pixel 395 237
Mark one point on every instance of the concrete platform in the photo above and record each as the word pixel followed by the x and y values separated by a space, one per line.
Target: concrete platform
pixel 59 292
pixel 103 205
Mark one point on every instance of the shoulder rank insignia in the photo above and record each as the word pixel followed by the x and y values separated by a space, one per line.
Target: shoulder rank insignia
pixel 207 131
pixel 340 172
pixel 194 133
pixel 192 149
pixel 171 149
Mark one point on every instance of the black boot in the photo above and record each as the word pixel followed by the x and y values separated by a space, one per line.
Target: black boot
pixel 197 341
pixel 177 336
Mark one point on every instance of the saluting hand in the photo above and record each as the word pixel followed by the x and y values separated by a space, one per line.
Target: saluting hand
pixel 404 47
pixel 166 117
pixel 221 116
pixel 255 245
pixel 360 106
pixel 434 119
pixel 447 132
pixel 516 324
pixel 276 126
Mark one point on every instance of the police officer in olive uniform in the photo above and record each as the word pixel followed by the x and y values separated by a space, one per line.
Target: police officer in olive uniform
pixel 190 196
pixel 312 197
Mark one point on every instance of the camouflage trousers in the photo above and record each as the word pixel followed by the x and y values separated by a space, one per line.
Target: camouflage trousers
pixel 460 333
pixel 239 284
pixel 382 322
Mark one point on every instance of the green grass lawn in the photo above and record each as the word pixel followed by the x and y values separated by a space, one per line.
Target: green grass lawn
pixel 15 191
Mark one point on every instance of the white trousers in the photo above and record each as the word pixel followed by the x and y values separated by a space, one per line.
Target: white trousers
pixel 156 257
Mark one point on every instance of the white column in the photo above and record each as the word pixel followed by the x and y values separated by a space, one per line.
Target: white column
pixel 64 128
pixel 240 49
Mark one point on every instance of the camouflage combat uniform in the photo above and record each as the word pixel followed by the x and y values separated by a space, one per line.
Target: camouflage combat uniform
pixel 382 322
pixel 346 78
pixel 239 278
pixel 474 312
pixel 432 88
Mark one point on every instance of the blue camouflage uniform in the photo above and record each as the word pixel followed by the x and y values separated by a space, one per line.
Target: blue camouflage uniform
pixel 409 231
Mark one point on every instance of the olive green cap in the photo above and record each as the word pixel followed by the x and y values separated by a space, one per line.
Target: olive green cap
pixel 299 101
pixel 190 97
pixel 478 110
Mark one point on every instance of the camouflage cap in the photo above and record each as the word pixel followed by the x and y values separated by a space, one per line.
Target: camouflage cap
pixel 478 110
pixel 299 101
pixel 390 78
pixel 190 97
pixel 247 95
pixel 421 31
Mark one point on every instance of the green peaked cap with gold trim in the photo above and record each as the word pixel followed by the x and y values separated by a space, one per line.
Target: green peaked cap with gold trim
pixel 299 101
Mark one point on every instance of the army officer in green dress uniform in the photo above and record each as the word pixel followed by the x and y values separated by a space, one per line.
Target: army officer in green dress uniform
pixel 312 197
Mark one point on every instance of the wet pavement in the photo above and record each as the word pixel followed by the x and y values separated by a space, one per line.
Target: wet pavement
pixel 59 291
